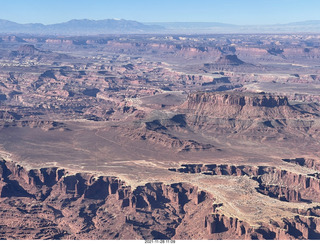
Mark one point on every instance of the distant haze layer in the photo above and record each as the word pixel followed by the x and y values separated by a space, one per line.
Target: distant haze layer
pixel 116 26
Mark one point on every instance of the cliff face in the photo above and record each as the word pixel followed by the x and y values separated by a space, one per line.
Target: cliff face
pixel 177 51
pixel 212 103
pixel 304 162
pixel 247 114
pixel 273 54
pixel 273 182
pixel 229 60
pixel 251 116
pixel 50 203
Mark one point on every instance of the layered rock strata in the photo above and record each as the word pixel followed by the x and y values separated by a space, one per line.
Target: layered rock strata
pixel 274 182
pixel 52 203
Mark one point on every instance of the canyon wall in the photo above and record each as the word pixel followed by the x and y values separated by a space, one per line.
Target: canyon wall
pixel 51 203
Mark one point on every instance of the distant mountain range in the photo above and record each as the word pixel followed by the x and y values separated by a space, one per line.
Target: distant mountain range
pixel 116 26
pixel 80 27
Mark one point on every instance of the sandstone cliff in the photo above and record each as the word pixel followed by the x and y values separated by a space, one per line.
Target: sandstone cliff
pixel 52 203
pixel 256 115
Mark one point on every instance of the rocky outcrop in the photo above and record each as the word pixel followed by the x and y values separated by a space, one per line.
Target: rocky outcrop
pixel 81 205
pixel 226 62
pixel 44 125
pixel 174 51
pixel 28 50
pixel 221 226
pixel 250 115
pixel 203 102
pixel 205 106
pixel 224 227
pixel 25 51
pixel 167 140
pixel 51 203
pixel 302 226
pixel 229 60
pixel 273 182
pixel 309 163
pixel 160 132
pixel 219 223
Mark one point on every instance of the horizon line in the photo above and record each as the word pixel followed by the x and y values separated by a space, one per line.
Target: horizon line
pixel 159 22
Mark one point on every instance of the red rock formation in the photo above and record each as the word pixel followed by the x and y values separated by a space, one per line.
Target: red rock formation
pixel 278 183
pixel 86 202
pixel 157 133
pixel 54 204
pixel 232 227
pixel 247 115
pixel 309 163
pixel 229 60
pixel 234 103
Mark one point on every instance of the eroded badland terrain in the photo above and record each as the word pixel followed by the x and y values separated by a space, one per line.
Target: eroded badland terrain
pixel 160 137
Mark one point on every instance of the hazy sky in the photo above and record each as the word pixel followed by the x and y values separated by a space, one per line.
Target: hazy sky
pixel 226 11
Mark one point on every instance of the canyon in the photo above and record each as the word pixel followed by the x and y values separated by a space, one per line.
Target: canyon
pixel 150 136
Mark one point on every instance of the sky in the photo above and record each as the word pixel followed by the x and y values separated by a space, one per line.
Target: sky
pixel 242 12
